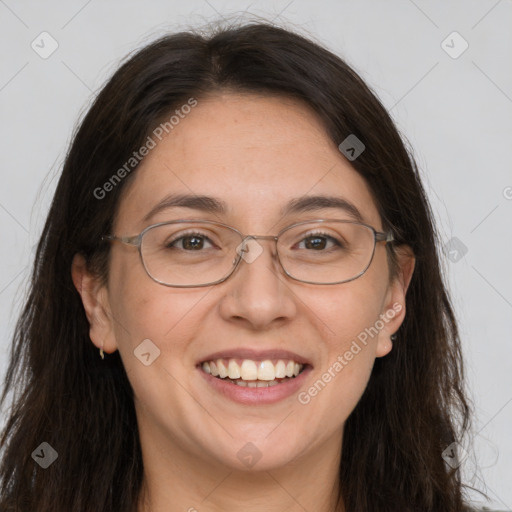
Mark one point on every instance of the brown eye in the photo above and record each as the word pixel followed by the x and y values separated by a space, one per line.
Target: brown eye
pixel 318 242
pixel 315 243
pixel 190 242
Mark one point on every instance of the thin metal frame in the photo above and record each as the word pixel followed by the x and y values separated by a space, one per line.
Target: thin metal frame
pixel 136 241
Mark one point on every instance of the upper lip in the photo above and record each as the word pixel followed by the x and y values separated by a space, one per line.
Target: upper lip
pixel 256 355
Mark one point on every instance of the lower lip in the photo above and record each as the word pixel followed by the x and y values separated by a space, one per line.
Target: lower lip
pixel 256 396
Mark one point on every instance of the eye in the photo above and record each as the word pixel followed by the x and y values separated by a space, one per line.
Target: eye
pixel 319 241
pixel 189 242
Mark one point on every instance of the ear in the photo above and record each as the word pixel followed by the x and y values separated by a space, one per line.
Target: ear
pixel 95 300
pixel 393 313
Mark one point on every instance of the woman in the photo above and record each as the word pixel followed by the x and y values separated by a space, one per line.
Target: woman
pixel 169 361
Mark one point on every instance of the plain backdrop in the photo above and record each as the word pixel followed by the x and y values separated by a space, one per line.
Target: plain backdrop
pixel 449 94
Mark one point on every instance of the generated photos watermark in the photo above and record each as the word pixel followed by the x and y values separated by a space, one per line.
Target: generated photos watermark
pixel 304 397
pixel 158 133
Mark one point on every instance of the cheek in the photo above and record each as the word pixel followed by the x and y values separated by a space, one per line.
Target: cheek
pixel 349 318
pixel 349 309
pixel 153 327
pixel 141 307
pixel 145 310
pixel 156 313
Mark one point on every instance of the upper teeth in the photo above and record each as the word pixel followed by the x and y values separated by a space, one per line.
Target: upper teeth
pixel 252 370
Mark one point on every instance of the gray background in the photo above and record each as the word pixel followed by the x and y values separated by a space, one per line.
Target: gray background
pixel 455 113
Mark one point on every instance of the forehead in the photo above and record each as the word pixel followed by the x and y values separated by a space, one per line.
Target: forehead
pixel 255 153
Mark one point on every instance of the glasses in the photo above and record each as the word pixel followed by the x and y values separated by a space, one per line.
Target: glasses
pixel 194 253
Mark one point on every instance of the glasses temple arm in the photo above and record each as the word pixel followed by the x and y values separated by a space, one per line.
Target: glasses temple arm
pixel 130 240
pixel 384 237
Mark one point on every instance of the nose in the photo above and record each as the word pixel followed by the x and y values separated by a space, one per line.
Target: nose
pixel 258 293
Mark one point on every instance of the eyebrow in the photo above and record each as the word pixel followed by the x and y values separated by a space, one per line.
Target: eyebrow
pixel 214 205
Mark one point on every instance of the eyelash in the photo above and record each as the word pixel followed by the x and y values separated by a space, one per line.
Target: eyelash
pixel 204 237
pixel 186 235
pixel 321 234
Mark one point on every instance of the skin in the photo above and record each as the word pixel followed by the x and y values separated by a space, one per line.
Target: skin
pixel 255 153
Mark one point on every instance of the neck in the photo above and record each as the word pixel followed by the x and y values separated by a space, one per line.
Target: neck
pixel 175 480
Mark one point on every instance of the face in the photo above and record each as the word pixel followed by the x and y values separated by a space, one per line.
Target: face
pixel 255 154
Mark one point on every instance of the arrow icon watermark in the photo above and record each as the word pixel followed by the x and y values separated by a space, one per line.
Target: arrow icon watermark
pixel 146 352
pixel 352 147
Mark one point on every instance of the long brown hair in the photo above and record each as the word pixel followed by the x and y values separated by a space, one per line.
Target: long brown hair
pixel 65 395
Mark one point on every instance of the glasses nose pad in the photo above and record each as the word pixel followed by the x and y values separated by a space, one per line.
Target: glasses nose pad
pixel 249 249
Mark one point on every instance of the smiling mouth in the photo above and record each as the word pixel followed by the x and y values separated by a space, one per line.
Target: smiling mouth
pixel 251 373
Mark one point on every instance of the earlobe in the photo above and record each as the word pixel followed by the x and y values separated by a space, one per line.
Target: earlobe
pixel 384 347
pixel 95 301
